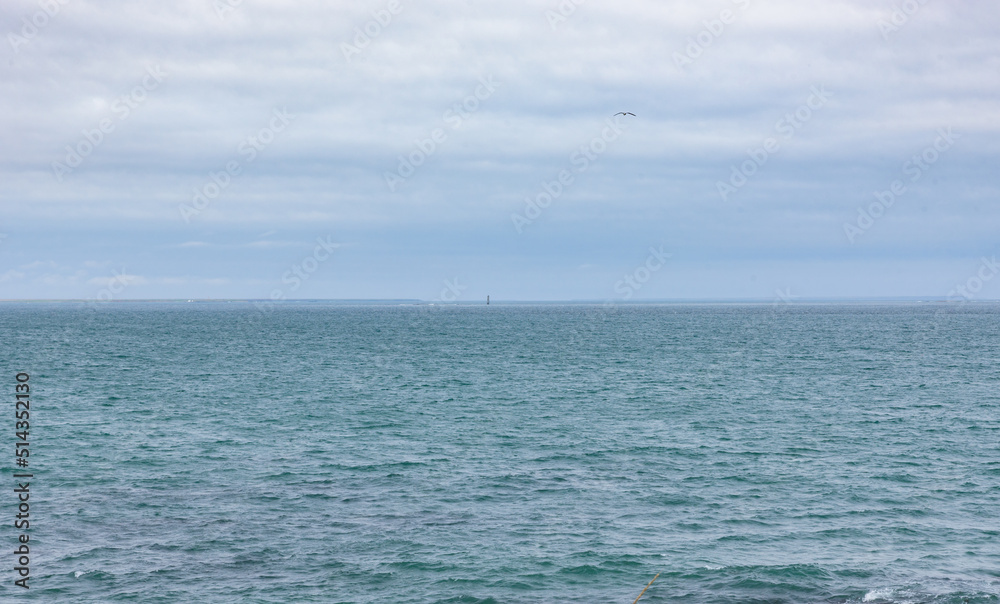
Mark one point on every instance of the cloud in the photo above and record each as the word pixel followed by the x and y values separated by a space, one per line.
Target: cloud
pixel 558 81
pixel 122 278
pixel 11 275
pixel 273 244
pixel 41 264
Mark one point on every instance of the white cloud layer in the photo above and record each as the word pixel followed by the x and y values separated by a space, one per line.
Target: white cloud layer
pixel 115 116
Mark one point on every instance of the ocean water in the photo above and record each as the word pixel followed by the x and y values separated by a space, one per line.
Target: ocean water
pixel 318 452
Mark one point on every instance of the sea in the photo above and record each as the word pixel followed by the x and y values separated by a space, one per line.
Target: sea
pixel 513 453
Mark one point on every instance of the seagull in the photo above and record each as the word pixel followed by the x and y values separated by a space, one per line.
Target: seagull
pixel 623 113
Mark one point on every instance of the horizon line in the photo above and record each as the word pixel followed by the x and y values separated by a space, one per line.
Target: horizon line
pixel 796 300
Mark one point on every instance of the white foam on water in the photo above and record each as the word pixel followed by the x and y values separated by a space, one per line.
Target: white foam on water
pixel 885 594
pixel 877 594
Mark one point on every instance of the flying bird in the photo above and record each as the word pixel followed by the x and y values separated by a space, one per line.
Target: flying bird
pixel 623 113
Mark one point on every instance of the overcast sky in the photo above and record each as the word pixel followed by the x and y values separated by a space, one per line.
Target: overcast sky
pixel 449 150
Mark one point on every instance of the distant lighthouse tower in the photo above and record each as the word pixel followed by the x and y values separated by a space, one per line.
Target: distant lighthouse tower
pixel 487 299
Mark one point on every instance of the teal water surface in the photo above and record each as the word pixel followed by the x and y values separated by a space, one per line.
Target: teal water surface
pixel 319 452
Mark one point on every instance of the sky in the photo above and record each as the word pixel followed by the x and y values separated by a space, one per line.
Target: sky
pixel 446 151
